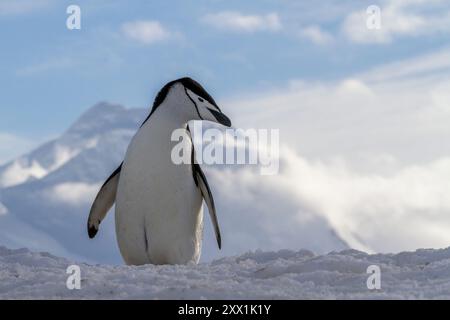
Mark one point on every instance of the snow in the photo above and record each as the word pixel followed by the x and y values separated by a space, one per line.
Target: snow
pixel 284 274
pixel 63 154
pixel 3 209
pixel 73 193
pixel 17 173
pixel 25 168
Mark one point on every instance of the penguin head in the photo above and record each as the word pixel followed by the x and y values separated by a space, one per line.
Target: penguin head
pixel 200 105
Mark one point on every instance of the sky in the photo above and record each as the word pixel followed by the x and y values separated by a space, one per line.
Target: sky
pixel 125 51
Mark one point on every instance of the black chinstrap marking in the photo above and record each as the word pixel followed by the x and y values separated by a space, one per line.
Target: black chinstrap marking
pixel 195 104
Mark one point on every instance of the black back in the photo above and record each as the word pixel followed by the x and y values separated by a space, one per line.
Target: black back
pixel 188 83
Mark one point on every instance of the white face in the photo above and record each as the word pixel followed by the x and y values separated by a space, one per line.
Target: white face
pixel 208 111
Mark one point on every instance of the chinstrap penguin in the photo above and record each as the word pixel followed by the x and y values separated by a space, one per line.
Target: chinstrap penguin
pixel 159 214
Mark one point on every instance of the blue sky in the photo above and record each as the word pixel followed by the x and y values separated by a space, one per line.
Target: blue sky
pixel 125 51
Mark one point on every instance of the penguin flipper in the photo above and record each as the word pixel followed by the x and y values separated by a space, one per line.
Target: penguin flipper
pixel 103 202
pixel 202 183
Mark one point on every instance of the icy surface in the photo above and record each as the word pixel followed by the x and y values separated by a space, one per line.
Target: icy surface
pixel 285 274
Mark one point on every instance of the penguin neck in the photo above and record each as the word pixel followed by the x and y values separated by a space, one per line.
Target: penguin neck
pixel 168 118
pixel 173 113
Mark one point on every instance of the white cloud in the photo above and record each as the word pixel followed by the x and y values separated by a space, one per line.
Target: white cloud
pixel 3 209
pixel 18 172
pixel 63 154
pixel 16 7
pixel 73 193
pixel 22 169
pixel 238 22
pixel 258 212
pixel 145 32
pixel 403 210
pixel 399 18
pixel 316 35
pixel 369 154
pixel 46 66
pixel 432 63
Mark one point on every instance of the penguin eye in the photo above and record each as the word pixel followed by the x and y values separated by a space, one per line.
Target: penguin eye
pixel 200 99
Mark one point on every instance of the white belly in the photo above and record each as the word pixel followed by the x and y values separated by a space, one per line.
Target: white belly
pixel 159 214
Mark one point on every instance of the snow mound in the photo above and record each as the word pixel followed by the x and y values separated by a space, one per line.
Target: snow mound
pixel 285 274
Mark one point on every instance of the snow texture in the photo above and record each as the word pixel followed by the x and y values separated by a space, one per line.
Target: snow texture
pixel 285 274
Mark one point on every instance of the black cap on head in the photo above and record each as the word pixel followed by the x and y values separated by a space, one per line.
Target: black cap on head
pixel 188 83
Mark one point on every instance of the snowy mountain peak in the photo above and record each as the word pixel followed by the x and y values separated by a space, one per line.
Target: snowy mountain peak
pixel 103 118
pixel 99 117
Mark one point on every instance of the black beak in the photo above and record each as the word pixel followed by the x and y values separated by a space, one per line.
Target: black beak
pixel 221 118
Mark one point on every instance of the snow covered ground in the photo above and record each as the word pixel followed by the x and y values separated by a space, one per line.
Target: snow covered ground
pixel 423 274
